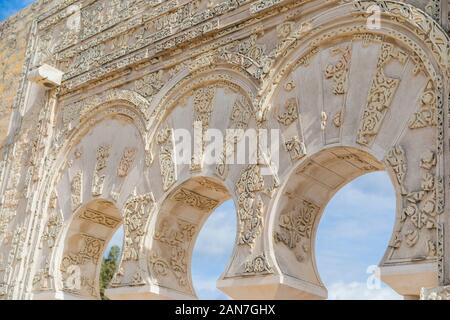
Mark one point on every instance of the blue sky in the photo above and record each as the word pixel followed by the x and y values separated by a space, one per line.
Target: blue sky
pixel 353 233
pixel 9 7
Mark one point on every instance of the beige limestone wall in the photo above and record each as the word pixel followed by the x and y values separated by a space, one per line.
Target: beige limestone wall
pixel 14 34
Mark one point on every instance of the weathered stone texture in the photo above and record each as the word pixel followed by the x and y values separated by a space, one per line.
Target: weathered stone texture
pixel 14 36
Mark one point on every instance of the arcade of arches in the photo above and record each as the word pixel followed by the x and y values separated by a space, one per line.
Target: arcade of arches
pixel 89 143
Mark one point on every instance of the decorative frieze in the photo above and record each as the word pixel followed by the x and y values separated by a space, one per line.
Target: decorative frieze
pixel 195 200
pixel 203 107
pixel 296 148
pixel 173 262
pixel 100 218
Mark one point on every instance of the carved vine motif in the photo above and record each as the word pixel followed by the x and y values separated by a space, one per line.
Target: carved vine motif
pixel 174 260
pixel 427 114
pixel 380 96
pixel 203 107
pixel 422 208
pixel 250 205
pixel 241 113
pixel 208 184
pixel 396 158
pixel 240 118
pixel 76 189
pixel 166 157
pixel 296 227
pixel 195 200
pixel 99 179
pixel 258 264
pixel 150 84
pixel 339 71
pixel 291 114
pixel 136 216
pixel 337 119
pixel 248 54
pixel 126 162
pixel 440 293
pixel 51 231
pixel 296 148
pixel 88 256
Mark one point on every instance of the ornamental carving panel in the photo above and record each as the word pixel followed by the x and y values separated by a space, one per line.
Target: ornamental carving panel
pixel 166 158
pixel 296 228
pixel 380 95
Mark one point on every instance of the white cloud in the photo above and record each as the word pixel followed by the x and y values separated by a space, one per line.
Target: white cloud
pixel 360 291
pixel 218 235
pixel 205 288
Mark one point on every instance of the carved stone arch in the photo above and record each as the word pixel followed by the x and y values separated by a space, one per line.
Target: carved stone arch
pixel 226 100
pixel 93 165
pixel 233 109
pixel 79 256
pixel 188 79
pixel 169 240
pixel 400 21
pixel 308 108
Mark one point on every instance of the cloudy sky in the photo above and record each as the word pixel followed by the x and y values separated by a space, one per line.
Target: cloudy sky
pixel 352 236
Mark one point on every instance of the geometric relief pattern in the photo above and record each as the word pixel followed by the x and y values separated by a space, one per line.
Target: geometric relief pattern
pixel 139 70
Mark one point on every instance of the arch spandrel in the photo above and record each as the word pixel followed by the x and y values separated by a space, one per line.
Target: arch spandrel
pixel 103 164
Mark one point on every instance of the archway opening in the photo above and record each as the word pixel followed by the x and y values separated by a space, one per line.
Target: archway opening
pixel 111 261
pixel 352 238
pixel 87 238
pixel 180 220
pixel 306 195
pixel 213 250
